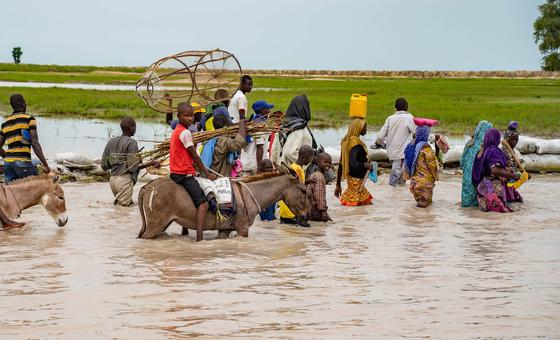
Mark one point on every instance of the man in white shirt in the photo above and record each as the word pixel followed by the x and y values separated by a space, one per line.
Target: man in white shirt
pixel 255 151
pixel 397 132
pixel 238 105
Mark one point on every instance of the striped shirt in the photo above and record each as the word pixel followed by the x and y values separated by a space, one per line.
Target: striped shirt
pixel 19 148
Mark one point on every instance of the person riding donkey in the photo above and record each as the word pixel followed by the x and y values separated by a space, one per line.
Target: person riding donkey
pixel 183 161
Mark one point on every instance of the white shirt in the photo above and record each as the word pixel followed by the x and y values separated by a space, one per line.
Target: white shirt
pixel 397 130
pixel 248 154
pixel 238 102
pixel 290 150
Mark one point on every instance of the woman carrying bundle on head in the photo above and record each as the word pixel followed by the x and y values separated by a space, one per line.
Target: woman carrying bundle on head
pixel 490 174
pixel 354 166
pixel 421 167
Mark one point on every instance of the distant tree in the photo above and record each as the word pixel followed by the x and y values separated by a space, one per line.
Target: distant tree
pixel 547 34
pixel 16 54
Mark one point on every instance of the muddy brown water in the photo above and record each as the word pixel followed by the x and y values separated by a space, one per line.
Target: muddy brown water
pixel 388 270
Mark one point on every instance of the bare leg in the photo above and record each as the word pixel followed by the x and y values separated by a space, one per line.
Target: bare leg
pixel 200 217
pixel 9 224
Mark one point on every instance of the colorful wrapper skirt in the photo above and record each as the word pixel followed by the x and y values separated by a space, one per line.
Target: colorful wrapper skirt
pixel 355 194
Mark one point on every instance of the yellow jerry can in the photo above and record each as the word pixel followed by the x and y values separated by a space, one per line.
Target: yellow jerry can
pixel 358 106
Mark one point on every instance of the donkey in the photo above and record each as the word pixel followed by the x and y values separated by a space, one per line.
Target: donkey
pixel 27 192
pixel 162 202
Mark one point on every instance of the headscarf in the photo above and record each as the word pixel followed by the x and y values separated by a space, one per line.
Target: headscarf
pixel 298 113
pixel 350 140
pixel 491 155
pixel 473 145
pixel 512 130
pixel 413 149
pixel 297 117
pixel 468 190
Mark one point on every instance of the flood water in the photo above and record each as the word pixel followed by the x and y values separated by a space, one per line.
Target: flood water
pixel 384 271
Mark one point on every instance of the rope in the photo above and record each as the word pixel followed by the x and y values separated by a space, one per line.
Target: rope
pixel 250 193
pixel 243 185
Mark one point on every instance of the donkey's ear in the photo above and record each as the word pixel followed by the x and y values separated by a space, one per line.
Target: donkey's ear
pixel 55 177
pixel 289 171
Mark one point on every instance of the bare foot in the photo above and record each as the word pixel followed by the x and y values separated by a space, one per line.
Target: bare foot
pixel 13 225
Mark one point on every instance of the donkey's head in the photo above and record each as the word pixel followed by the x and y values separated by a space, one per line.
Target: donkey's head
pixel 53 200
pixel 295 194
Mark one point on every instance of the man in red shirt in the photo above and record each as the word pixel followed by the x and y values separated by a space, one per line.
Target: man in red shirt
pixel 182 161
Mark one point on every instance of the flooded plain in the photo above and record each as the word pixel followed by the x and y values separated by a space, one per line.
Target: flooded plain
pixel 388 270
pixel 89 136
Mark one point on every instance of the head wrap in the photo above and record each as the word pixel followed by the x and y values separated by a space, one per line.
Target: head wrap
pixel 298 113
pixel 512 130
pixel 413 149
pixel 350 140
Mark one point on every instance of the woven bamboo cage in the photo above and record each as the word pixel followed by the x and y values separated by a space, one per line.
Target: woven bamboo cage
pixel 192 76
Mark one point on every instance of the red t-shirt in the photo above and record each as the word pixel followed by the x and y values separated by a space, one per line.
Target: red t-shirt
pixel 180 160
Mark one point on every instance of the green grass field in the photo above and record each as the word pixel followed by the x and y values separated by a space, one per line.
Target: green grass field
pixel 458 103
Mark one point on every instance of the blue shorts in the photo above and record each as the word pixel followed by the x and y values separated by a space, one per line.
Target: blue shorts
pixel 18 169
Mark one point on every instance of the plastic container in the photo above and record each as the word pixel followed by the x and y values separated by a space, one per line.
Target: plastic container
pixel 358 106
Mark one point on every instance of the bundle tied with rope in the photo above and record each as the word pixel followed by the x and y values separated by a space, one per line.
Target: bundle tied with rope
pixel 260 126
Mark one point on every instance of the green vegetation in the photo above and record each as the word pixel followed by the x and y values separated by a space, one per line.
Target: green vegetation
pixel 73 102
pixel 68 68
pixel 16 54
pixel 458 103
pixel 547 34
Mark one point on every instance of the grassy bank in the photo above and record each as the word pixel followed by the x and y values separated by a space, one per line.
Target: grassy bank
pixel 458 103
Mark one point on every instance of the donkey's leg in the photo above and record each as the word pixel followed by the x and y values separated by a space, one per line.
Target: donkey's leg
pixel 155 226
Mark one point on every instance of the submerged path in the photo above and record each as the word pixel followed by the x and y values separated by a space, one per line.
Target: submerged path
pixel 382 271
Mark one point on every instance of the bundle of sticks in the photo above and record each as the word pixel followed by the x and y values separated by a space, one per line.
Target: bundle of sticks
pixel 261 126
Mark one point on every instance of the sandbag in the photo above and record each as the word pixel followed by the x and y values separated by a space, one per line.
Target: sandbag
pixel 334 152
pixel 537 163
pixel 526 145
pixel 453 155
pixel 548 146
pixel 378 155
pixel 73 158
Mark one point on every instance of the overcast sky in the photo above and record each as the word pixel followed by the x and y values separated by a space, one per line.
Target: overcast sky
pixel 280 34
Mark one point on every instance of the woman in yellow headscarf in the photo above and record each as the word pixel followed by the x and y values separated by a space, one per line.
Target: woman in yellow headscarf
pixel 353 166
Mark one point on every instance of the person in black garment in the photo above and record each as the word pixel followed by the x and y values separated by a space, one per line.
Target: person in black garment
pixel 353 166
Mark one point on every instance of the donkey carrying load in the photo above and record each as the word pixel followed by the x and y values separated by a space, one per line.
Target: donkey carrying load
pixel 162 202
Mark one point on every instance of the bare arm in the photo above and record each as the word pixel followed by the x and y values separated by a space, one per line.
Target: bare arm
pixel 37 148
pixel 242 125
pixel 497 171
pixel 260 153
pixel 338 179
